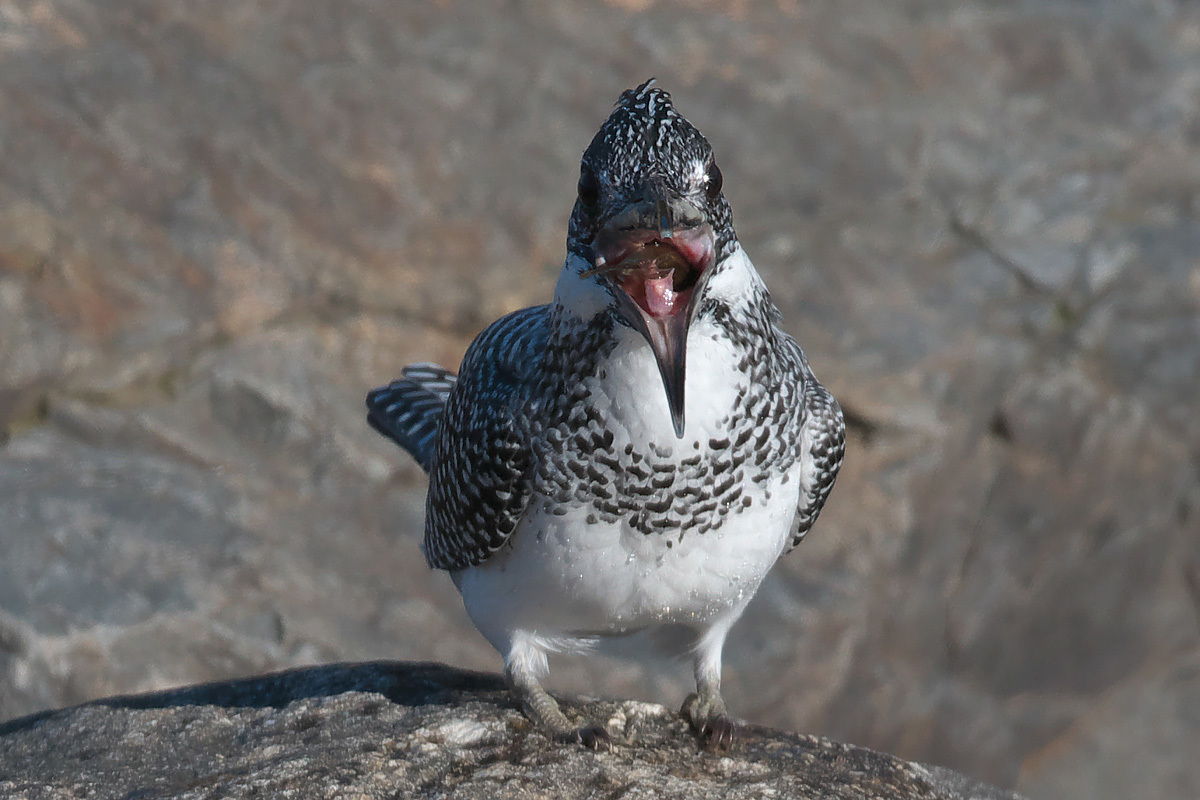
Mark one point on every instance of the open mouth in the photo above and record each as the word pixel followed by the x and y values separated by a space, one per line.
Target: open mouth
pixel 657 270
pixel 661 272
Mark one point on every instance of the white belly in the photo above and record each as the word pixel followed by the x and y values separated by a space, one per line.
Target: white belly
pixel 564 579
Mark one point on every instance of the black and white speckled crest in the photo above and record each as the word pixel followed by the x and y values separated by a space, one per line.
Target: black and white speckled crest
pixel 646 141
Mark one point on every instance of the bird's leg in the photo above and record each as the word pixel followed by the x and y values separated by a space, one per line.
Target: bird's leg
pixel 522 673
pixel 705 709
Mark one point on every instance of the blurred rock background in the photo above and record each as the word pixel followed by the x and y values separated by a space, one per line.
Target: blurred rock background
pixel 221 223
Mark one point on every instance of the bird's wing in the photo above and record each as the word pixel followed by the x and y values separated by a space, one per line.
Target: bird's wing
pixel 823 443
pixel 479 481
pixel 409 409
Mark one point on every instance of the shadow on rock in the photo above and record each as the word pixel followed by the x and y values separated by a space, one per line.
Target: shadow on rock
pixel 407 684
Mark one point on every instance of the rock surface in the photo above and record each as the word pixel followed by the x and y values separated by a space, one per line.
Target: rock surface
pixel 419 730
pixel 221 223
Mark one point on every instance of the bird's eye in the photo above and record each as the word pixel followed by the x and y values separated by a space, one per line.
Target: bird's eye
pixel 712 181
pixel 589 187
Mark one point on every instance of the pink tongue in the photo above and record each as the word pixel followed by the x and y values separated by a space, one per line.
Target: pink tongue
pixel 660 295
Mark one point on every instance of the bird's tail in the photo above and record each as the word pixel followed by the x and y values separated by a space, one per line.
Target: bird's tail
pixel 409 408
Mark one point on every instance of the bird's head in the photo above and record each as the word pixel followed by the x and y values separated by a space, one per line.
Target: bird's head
pixel 650 225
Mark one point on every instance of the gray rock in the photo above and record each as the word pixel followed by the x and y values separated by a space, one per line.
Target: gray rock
pixel 221 224
pixel 419 730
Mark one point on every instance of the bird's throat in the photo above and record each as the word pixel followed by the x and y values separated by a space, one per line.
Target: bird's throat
pixel 658 278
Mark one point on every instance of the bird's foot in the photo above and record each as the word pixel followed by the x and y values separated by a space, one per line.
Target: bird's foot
pixel 543 710
pixel 714 729
pixel 593 737
pixel 717 733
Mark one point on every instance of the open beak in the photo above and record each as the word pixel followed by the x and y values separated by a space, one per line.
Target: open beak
pixel 658 252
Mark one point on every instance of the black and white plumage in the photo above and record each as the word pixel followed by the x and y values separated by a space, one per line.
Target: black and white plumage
pixel 634 456
pixel 409 409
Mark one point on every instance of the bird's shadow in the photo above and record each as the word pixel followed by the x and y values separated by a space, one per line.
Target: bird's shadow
pixel 404 683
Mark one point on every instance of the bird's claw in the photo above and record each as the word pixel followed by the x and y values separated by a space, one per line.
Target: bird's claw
pixel 713 727
pixel 593 737
pixel 717 734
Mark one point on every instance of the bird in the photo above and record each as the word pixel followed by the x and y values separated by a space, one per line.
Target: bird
pixel 631 458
